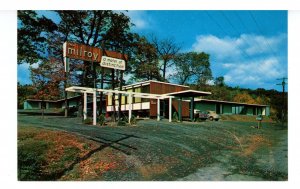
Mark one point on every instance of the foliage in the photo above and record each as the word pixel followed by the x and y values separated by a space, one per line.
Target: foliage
pixel 192 67
pixel 40 40
pixel 121 123
pixel 47 78
pixel 145 61
pixel 24 92
pixel 32 40
pixel 101 120
pixel 244 98
pixel 133 120
pixel 107 29
pixel 175 117
pixel 88 121
pixel 219 81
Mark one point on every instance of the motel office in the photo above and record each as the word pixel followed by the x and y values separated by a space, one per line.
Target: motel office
pixel 145 107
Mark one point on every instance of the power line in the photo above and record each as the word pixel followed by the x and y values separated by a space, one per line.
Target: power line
pixel 241 21
pixel 225 32
pixel 247 29
pixel 239 33
pixel 260 31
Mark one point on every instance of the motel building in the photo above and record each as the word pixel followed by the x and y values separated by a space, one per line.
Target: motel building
pixel 154 99
pixel 183 97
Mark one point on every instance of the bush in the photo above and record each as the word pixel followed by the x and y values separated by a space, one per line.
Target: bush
pixel 101 120
pixel 133 120
pixel 175 117
pixel 88 121
pixel 121 123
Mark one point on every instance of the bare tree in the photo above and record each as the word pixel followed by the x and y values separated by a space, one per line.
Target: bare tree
pixel 166 50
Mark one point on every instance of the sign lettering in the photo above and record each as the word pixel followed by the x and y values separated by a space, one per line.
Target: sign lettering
pixel 88 53
pixel 114 63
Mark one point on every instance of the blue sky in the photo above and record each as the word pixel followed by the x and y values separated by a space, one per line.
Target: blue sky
pixel 248 48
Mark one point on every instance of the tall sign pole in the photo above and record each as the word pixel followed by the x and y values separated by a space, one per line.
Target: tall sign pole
pixel 101 82
pixel 120 85
pixel 283 83
pixel 67 69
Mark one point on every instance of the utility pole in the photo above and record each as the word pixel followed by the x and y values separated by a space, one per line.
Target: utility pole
pixel 283 83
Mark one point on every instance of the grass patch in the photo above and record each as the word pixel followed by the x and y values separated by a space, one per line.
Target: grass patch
pixel 247 118
pixel 31 159
pixel 43 153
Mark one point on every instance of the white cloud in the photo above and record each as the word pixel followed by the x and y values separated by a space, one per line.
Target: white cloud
pixel 257 44
pixel 221 48
pixel 253 72
pixel 231 47
pixel 247 60
pixel 139 18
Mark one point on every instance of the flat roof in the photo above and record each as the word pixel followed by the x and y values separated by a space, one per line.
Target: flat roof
pixel 228 102
pixel 143 83
pixel 39 100
pixel 188 93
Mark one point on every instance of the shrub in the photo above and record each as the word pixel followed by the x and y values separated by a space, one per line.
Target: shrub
pixel 121 123
pixel 88 121
pixel 175 117
pixel 133 120
pixel 101 120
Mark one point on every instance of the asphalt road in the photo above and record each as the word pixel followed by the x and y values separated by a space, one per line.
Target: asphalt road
pixel 183 151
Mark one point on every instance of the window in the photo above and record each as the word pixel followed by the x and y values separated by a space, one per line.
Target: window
pixel 109 100
pixel 137 99
pixel 127 98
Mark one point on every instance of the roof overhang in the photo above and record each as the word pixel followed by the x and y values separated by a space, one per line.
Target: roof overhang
pixel 110 92
pixel 188 93
pixel 40 100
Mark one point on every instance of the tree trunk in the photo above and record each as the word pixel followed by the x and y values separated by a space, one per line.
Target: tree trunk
pixel 164 69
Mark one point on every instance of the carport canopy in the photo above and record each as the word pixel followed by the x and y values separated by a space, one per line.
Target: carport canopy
pixel 187 94
pixel 93 91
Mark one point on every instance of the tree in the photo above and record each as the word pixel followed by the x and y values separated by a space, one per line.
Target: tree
pixel 219 81
pixel 92 28
pixel 32 40
pixel 47 78
pixel 145 61
pixel 25 92
pixel 244 97
pixel 166 50
pixel 192 67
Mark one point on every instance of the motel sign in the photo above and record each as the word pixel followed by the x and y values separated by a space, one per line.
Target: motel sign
pixel 112 59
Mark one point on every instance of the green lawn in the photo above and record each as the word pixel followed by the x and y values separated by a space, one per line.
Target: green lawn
pixel 151 150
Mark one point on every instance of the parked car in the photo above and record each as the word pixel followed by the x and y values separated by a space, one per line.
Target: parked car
pixel 212 115
pixel 200 115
